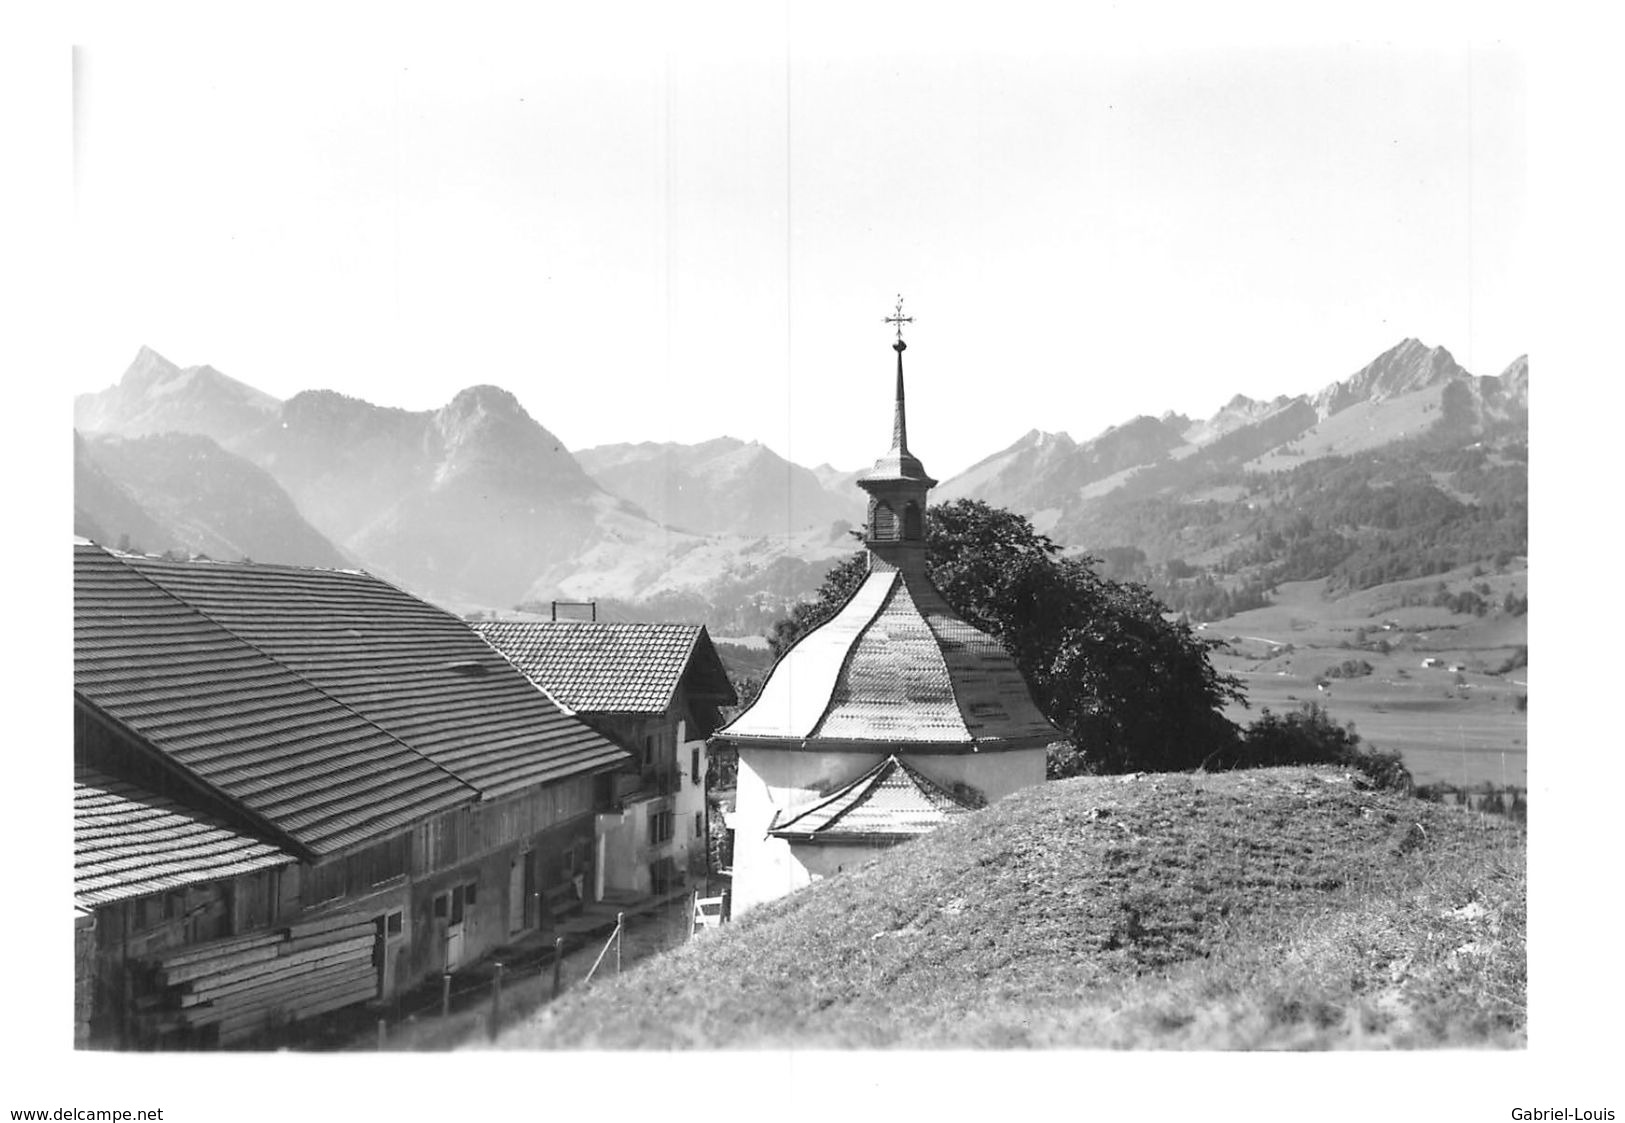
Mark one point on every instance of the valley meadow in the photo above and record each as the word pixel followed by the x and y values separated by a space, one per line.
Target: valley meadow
pixel 1462 727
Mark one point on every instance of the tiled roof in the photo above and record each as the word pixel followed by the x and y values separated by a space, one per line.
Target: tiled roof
pixel 891 801
pixel 895 666
pixel 128 842
pixel 610 667
pixel 328 703
pixel 246 726
pixel 406 666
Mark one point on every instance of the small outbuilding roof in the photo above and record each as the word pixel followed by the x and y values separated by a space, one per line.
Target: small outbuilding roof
pixel 129 842
pixel 612 666
pixel 890 802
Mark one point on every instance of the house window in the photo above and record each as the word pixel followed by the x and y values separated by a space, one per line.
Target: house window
pixel 661 826
pixel 393 924
pixel 699 824
pixel 452 905
pixel 694 766
pixel 648 750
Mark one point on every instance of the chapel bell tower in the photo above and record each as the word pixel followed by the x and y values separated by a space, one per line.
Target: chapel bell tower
pixel 897 486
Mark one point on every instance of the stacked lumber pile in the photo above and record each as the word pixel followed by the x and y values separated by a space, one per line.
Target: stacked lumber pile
pixel 251 983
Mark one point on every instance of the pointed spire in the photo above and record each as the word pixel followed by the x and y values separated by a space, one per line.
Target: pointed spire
pixel 899 425
pixel 899 463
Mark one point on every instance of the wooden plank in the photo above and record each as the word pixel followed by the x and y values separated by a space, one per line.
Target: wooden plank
pixel 216 949
pixel 279 992
pixel 269 993
pixel 203 968
pixel 322 924
pixel 302 1002
pixel 337 935
pixel 360 952
pixel 239 1029
pixel 358 947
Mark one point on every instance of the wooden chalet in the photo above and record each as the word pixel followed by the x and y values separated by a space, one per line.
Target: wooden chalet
pixel 657 691
pixel 298 789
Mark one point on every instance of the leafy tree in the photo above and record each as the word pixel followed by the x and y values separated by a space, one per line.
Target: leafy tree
pixel 1310 736
pixel 1131 689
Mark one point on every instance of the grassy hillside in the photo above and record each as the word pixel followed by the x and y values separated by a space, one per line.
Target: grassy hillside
pixel 1284 908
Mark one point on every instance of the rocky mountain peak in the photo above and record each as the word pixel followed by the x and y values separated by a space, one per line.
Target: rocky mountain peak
pixel 486 434
pixel 1407 366
pixel 156 396
pixel 147 369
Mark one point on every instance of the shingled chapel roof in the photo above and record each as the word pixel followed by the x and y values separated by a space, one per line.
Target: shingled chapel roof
pixel 896 667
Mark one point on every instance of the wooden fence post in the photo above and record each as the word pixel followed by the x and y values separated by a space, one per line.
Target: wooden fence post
pixel 445 994
pixel 496 1001
pixel 620 929
pixel 558 963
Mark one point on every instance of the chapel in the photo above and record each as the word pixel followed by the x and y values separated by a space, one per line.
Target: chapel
pixel 888 719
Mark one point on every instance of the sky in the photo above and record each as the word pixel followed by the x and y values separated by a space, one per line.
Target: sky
pixel 653 231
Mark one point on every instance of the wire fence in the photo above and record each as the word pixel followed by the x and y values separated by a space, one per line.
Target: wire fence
pixel 1486 798
pixel 477 1002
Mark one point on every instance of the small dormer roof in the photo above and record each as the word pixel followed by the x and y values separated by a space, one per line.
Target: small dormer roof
pixel 891 802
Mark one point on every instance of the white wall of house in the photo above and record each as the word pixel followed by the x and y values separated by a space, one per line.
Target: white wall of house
pixel 629 845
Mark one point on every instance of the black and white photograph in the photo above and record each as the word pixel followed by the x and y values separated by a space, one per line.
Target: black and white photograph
pixel 712 552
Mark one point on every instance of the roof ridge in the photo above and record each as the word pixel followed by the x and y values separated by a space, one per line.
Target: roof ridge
pixel 244 562
pixel 831 797
pixel 345 706
pixel 851 648
pixel 936 637
pixel 874 777
pixel 784 660
pixel 528 677
pixel 995 640
pixel 676 625
pixel 932 786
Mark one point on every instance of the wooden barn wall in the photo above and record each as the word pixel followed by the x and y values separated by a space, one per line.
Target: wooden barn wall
pixel 559 849
pixel 130 933
pixel 476 846
pixel 84 979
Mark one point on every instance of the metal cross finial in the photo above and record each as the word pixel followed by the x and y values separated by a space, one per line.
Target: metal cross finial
pixel 898 318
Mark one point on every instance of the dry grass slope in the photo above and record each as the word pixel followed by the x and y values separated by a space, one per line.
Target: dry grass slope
pixel 1283 908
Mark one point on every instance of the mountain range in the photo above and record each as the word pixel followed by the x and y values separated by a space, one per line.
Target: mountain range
pixel 478 506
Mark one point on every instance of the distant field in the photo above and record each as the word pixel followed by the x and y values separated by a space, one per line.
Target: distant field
pixel 1456 727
